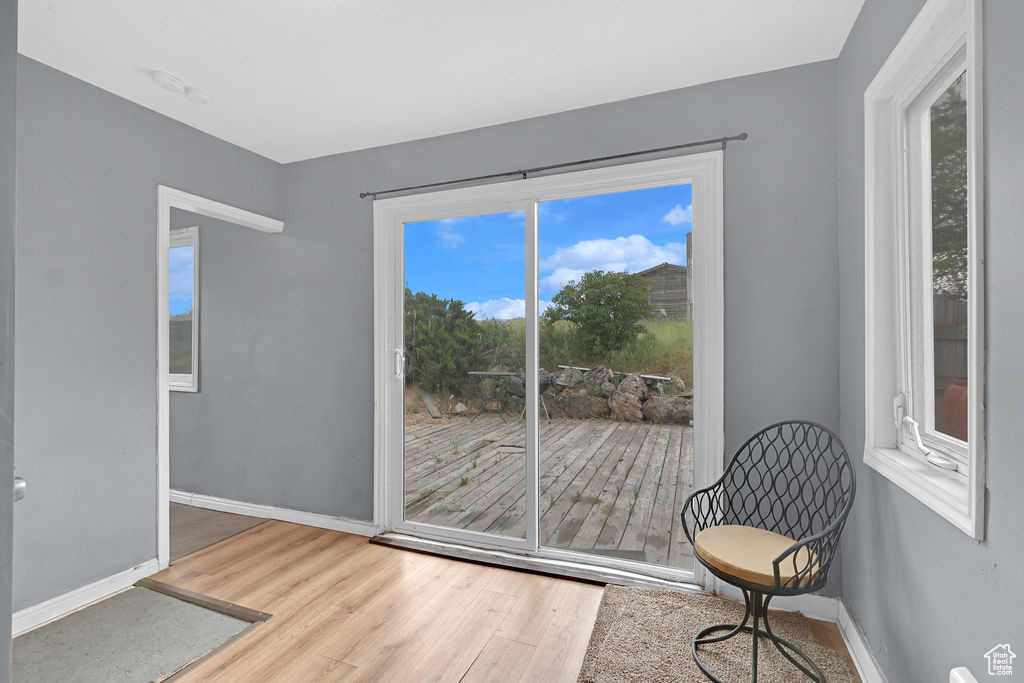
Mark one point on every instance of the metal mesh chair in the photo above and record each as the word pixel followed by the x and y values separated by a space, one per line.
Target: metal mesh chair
pixel 770 526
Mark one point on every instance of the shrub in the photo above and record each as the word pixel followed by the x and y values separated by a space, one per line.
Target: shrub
pixel 664 348
pixel 604 307
pixel 441 341
pixel 502 344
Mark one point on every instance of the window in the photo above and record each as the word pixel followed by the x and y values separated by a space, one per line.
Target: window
pixel 924 363
pixel 183 349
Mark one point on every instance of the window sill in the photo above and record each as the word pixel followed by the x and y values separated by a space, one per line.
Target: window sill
pixel 187 388
pixel 945 495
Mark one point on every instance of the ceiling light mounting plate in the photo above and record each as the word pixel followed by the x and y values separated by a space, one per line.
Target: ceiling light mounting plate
pixel 168 81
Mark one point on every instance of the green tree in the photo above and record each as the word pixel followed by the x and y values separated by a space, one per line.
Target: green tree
pixel 949 191
pixel 441 338
pixel 605 309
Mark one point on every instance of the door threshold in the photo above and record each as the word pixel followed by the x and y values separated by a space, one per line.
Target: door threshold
pixel 541 565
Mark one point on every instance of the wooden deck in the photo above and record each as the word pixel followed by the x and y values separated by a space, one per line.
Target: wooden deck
pixel 611 488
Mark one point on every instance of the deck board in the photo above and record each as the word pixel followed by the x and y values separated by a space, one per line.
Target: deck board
pixel 612 488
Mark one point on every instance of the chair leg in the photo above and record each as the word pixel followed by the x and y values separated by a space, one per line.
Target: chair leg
pixel 755 632
pixel 703 637
pixel 757 609
pixel 811 670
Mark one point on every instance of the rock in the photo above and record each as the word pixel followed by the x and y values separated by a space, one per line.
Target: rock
pixel 568 378
pixel 595 377
pixel 680 385
pixel 516 387
pixel 582 405
pixel 633 384
pixel 668 409
pixel 659 388
pixel 514 404
pixel 460 407
pixel 556 403
pixel 626 406
pixel 607 389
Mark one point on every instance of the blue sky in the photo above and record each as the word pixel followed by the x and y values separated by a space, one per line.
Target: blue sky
pixel 481 259
pixel 181 279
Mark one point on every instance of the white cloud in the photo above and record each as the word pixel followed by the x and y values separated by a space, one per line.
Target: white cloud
pixel 549 214
pixel 679 214
pixel 502 309
pixel 447 237
pixel 630 254
pixel 561 276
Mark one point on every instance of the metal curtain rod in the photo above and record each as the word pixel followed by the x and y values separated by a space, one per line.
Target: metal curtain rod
pixel 524 172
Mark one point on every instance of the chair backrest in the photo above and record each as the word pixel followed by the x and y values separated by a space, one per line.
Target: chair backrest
pixel 793 478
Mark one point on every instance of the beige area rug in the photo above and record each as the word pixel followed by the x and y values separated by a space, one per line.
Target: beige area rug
pixel 644 634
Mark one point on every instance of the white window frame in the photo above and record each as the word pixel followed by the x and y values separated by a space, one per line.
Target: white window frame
pixel 946 474
pixel 188 237
pixel 704 172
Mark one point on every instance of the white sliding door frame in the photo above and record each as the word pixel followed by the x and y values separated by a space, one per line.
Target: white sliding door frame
pixel 704 172
pixel 389 298
pixel 168 198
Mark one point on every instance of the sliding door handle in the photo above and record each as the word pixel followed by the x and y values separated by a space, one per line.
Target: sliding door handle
pixel 20 485
pixel 399 363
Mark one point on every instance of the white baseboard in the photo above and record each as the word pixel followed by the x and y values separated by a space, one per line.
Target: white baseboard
pixel 349 526
pixel 811 605
pixel 867 667
pixel 37 615
pixel 824 608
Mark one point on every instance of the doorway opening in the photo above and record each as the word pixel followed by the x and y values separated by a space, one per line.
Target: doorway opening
pixel 182 316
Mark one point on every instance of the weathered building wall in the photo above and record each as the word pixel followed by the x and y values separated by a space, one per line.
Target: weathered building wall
pixel 669 290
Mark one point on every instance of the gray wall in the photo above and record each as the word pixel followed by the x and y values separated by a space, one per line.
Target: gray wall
pixel 310 446
pixel 927 596
pixel 258 429
pixel 88 166
pixel 8 110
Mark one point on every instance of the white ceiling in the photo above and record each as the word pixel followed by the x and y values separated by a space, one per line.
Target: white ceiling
pixel 295 79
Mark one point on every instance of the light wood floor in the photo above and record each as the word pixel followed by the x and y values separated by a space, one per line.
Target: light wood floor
pixel 345 609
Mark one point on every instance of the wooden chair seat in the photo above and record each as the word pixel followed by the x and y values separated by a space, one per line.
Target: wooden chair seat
pixel 746 553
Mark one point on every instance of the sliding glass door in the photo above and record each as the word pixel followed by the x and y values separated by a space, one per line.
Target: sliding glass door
pixel 464 397
pixel 548 362
pixel 616 358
